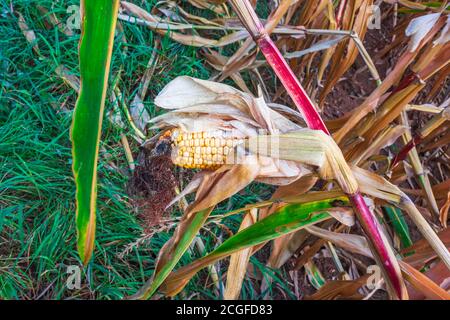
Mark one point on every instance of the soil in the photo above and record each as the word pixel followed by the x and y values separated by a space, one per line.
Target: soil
pixel 358 83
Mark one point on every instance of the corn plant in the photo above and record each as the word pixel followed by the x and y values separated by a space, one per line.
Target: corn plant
pixel 225 133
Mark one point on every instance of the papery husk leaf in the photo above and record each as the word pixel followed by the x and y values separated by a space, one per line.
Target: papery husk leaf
pixel 351 242
pixel 189 95
pixel 419 27
pixel 310 147
pixel 184 91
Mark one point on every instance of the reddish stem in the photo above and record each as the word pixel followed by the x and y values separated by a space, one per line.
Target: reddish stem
pixel 409 79
pixel 405 151
pixel 370 226
pixel 291 83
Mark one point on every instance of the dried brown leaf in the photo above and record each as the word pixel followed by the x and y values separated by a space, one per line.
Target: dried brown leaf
pixel 422 283
pixel 239 262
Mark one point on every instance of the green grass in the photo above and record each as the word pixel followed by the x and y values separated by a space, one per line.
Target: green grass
pixel 37 226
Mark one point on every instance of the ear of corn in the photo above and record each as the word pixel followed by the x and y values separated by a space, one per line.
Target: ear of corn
pixel 202 150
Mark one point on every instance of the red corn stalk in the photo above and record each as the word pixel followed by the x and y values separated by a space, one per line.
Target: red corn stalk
pixel 273 56
pixel 382 250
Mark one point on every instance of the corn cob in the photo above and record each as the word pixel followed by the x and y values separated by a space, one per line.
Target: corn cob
pixel 202 150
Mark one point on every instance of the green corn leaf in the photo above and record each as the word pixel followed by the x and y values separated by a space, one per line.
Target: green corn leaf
pixel 315 277
pixel 98 25
pixel 399 224
pixel 288 219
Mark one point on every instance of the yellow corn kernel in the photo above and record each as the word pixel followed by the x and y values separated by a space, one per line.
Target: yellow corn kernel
pixel 201 150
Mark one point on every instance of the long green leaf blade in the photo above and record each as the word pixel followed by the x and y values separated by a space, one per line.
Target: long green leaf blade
pixel 286 220
pixel 98 25
pixel 399 224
